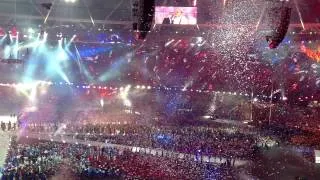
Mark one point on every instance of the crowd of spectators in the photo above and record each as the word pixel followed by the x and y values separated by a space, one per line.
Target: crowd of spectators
pixel 293 125
pixel 30 161
pixel 208 141
pixel 42 159
pixel 8 126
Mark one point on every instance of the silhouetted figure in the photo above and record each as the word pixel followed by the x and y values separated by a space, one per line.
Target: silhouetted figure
pixel 9 125
pixel 3 126
pixel 14 126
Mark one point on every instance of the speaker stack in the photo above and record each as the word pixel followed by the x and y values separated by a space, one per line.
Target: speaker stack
pixel 276 19
pixel 143 15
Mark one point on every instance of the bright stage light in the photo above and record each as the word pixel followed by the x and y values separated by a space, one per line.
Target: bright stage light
pixel 7 52
pixel 16 47
pixel 31 31
pixel 70 1
pixel 61 53
pixel 45 36
pixel 207 117
pixel 3 38
pixel 59 35
pixel 127 103
pixel 71 40
pixel 124 96
pixel 102 102
pixel 62 56
pixel 29 90
pixel 60 43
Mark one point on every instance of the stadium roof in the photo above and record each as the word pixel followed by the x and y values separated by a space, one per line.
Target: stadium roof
pixel 119 11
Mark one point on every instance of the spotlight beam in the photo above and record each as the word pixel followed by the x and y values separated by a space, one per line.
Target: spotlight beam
pixel 116 8
pixel 260 18
pixel 3 38
pixel 78 59
pixel 299 13
pixel 71 40
pixel 90 15
pixel 16 47
pixel 49 12
pixel 39 11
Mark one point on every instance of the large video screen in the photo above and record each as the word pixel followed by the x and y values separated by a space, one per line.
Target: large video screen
pixel 176 15
pixel 179 3
pixel 317 156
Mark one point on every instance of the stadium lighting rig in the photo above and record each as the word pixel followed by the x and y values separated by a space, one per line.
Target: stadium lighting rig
pixel 276 18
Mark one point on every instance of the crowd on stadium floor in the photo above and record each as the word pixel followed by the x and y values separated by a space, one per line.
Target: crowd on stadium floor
pixel 216 142
pixel 42 159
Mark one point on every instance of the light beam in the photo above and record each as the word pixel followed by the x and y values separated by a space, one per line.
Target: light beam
pixel 299 13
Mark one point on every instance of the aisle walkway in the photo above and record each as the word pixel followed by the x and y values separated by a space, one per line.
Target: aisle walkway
pixel 5 137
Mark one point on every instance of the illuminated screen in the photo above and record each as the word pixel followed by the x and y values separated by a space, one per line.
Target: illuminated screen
pixel 317 156
pixel 176 15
